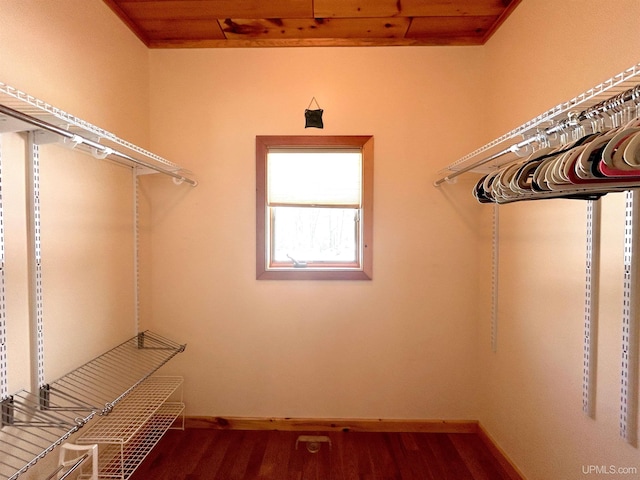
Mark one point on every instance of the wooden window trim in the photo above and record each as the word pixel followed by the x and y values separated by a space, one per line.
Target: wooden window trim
pixel 263 144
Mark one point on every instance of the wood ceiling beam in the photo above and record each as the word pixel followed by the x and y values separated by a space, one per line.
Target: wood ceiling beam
pixel 186 9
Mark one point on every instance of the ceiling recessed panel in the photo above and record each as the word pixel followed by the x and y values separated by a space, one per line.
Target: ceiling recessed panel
pixel 260 23
pixel 315 28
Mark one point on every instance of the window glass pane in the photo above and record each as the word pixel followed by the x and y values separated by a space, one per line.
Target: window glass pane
pixel 310 234
pixel 314 177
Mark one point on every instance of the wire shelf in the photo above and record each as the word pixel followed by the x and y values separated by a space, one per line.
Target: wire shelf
pixel 126 436
pixel 22 112
pixel 505 148
pixel 29 433
pixel 35 424
pixel 103 382
pixel 25 103
pixel 121 425
pixel 120 461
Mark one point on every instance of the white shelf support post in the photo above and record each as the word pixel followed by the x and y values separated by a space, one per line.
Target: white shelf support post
pixel 494 279
pixel 3 316
pixel 136 249
pixel 35 264
pixel 629 364
pixel 591 303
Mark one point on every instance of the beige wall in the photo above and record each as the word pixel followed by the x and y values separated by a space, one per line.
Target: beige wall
pixel 412 343
pixel 546 53
pixel 400 346
pixel 78 57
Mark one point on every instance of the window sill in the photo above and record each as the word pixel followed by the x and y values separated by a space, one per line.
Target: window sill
pixel 313 274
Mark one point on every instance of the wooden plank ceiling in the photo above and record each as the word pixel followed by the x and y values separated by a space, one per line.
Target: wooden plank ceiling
pixel 274 23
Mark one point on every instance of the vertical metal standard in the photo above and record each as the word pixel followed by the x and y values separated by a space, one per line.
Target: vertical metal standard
pixel 629 370
pixel 136 250
pixel 592 289
pixel 494 280
pixel 3 310
pixel 35 264
pixel 6 401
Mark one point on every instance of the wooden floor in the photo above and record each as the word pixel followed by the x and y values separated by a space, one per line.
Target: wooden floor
pixel 195 454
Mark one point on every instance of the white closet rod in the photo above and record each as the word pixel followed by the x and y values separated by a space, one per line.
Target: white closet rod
pixel 614 104
pixel 512 149
pixel 102 150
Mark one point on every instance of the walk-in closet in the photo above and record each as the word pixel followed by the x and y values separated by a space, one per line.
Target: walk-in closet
pixel 154 322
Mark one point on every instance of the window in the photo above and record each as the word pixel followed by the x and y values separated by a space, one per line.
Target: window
pixel 314 207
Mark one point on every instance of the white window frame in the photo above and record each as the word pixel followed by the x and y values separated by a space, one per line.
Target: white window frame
pixel 361 269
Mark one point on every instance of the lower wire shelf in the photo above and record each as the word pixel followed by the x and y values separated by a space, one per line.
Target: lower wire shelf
pixel 32 425
pixel 29 433
pixel 134 427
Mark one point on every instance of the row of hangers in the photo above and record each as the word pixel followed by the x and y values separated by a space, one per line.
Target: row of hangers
pixel 590 161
